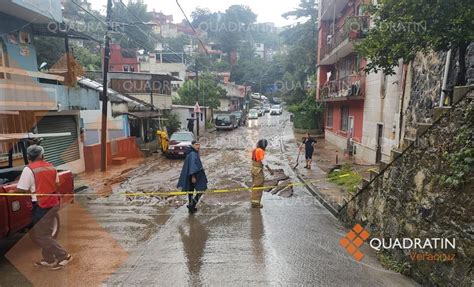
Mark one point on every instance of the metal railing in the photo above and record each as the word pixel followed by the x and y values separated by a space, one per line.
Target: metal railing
pixel 355 27
pixel 350 86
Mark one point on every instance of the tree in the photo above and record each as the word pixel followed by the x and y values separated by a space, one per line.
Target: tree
pixel 233 27
pixel 300 61
pixel 209 92
pixel 49 49
pixel 135 34
pixel 90 61
pixel 405 27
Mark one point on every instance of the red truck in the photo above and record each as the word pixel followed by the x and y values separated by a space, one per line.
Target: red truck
pixel 16 211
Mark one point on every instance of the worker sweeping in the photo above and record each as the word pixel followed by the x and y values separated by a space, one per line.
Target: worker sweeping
pixel 258 177
pixel 308 145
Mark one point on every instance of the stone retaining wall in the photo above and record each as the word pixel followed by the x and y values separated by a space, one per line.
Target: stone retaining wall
pixel 409 200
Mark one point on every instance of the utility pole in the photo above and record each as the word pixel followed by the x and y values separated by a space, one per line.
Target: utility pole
pixel 103 135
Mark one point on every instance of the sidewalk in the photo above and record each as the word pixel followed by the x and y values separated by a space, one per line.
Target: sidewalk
pixel 330 194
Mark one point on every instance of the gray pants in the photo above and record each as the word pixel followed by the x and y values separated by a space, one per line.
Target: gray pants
pixel 41 234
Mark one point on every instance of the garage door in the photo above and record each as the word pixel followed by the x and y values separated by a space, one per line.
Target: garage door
pixel 60 150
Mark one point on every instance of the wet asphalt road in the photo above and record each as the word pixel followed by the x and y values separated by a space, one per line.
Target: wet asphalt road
pixel 291 241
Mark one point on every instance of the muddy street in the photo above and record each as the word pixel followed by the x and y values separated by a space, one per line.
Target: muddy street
pixel 152 240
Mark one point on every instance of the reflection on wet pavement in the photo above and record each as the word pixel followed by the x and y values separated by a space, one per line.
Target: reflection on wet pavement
pixel 292 241
pixel 194 242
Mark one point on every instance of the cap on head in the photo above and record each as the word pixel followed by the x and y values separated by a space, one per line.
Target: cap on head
pixel 263 143
pixel 195 142
pixel 34 152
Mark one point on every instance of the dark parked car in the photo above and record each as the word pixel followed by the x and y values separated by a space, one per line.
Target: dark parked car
pixel 226 122
pixel 240 117
pixel 178 143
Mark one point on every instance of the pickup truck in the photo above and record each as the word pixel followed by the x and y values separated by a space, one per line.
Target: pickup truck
pixel 16 211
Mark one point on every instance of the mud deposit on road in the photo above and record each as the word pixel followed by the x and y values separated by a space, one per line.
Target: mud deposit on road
pixel 226 169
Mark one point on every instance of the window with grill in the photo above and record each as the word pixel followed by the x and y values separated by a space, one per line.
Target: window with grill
pixel 344 118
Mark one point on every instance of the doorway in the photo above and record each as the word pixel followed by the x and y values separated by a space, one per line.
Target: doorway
pixel 350 141
pixel 378 152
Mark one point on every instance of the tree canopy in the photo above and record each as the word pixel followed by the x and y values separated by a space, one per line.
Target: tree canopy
pixel 405 27
pixel 209 92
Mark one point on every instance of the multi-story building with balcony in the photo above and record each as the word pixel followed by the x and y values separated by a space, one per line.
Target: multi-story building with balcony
pixel 36 101
pixel 361 109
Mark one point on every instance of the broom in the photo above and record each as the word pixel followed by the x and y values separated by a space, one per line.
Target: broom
pixel 298 159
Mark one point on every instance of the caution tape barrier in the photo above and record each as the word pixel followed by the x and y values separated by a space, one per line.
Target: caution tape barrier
pixel 179 193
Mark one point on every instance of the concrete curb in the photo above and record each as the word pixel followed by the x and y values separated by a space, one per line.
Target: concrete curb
pixel 320 197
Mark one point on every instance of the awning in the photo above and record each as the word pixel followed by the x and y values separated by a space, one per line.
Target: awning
pixel 145 115
pixel 141 76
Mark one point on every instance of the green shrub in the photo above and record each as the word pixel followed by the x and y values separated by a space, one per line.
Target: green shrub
pixel 346 177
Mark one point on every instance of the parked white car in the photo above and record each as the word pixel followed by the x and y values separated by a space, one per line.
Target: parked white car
pixel 276 110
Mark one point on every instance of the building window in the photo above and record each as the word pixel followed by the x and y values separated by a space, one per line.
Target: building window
pixel 126 68
pixel 2 62
pixel 175 74
pixel 344 118
pixel 329 116
pixel 24 37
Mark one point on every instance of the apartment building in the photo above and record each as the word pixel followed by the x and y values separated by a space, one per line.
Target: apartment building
pixel 361 109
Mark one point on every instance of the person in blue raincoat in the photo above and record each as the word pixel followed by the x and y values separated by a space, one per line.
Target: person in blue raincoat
pixel 193 177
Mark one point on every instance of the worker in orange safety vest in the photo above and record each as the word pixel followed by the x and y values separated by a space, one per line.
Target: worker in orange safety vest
pixel 258 177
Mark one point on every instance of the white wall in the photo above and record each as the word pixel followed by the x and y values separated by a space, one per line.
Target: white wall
pixel 184 113
pixel 225 104
pixel 166 68
pixel 160 101
pixel 92 120
pixel 380 110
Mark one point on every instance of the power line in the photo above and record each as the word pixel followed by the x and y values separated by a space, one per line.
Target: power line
pixel 141 21
pixel 105 24
pixel 192 27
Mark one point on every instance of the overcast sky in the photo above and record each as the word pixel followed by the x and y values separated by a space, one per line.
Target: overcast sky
pixel 266 10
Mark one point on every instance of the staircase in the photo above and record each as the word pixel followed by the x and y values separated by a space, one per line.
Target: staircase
pixel 459 94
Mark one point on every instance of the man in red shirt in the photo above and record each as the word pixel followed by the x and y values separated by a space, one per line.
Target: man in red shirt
pixel 40 178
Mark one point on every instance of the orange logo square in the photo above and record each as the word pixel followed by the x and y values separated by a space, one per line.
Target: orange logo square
pixel 353 240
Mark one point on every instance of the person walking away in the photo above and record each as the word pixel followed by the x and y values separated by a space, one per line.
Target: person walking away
pixel 193 177
pixel 258 177
pixel 191 124
pixel 40 177
pixel 308 143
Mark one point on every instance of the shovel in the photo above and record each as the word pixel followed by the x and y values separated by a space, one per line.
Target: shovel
pixel 297 160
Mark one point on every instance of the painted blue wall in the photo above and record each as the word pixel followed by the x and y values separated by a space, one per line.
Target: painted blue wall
pixel 12 25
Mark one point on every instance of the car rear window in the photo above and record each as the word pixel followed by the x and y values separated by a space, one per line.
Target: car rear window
pixel 183 137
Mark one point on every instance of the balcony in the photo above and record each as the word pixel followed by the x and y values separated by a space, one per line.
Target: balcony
pixel 340 43
pixel 348 88
pixel 332 7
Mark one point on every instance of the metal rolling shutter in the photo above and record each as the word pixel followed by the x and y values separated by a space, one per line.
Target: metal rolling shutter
pixel 59 150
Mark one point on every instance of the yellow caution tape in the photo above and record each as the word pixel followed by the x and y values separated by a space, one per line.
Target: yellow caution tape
pixel 179 193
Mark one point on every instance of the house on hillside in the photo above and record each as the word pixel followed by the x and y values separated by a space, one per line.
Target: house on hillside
pixel 165 63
